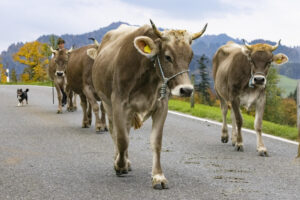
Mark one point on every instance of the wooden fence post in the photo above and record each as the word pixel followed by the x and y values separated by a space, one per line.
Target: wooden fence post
pixel 193 93
pixel 298 116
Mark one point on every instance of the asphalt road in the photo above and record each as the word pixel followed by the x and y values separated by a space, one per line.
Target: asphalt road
pixel 44 155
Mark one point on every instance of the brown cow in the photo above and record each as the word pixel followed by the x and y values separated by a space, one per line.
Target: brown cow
pixel 56 71
pixel 79 80
pixel 135 71
pixel 239 73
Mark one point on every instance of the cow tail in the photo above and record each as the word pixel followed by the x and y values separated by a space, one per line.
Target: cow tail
pixel 136 121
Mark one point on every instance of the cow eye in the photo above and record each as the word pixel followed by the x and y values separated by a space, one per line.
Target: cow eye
pixel 169 59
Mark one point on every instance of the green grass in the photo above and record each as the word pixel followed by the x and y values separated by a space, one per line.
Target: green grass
pixel 214 113
pixel 46 83
pixel 287 84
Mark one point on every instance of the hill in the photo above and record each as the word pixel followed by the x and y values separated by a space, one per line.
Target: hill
pixel 207 45
pixel 287 84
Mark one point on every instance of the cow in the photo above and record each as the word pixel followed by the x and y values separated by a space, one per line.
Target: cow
pixel 79 80
pixel 56 72
pixel 135 71
pixel 239 73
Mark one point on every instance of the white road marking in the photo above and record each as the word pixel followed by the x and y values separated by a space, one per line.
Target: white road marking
pixel 244 129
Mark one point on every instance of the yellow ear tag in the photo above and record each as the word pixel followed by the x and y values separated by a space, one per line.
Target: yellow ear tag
pixel 147 49
pixel 278 61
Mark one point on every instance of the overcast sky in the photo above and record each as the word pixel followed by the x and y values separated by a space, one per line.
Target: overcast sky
pixel 26 20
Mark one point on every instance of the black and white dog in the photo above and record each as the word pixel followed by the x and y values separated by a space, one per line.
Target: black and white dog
pixel 22 95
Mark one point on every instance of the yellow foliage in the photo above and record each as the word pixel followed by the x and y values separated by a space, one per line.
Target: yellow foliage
pixel 3 75
pixel 39 73
pixel 25 77
pixel 34 55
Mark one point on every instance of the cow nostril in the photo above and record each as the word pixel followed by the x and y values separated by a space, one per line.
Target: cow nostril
pixel 186 92
pixel 259 80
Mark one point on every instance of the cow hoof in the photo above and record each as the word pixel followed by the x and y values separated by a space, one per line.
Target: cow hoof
pixel 101 128
pixel 74 108
pixel 120 172
pixel 224 139
pixel 59 112
pixel 159 182
pixel 85 125
pixel 263 152
pixel 239 147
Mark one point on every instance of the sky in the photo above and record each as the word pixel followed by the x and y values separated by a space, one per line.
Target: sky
pixel 26 20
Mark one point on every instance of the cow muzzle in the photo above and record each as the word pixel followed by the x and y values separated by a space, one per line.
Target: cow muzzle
pixel 258 80
pixel 60 73
pixel 182 90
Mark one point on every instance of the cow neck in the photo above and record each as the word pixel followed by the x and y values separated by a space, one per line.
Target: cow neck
pixel 164 85
pixel 251 84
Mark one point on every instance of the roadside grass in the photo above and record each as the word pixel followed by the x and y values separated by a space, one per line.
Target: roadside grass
pixel 46 83
pixel 214 113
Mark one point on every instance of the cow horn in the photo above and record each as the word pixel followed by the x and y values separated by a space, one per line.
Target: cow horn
pixel 52 50
pixel 276 46
pixel 197 35
pixel 247 45
pixel 70 50
pixel 95 41
pixel 156 31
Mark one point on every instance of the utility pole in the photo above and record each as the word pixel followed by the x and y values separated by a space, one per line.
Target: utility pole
pixel 7 77
pixel 193 93
pixel 298 116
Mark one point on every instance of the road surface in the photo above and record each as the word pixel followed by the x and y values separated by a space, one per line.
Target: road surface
pixel 44 155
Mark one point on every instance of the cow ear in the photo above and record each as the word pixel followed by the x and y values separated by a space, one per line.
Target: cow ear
pixel 92 53
pixel 145 46
pixel 280 59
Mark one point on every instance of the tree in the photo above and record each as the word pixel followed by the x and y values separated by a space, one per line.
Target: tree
pixel 204 84
pixel 293 95
pixel 13 76
pixel 3 75
pixel 273 97
pixel 35 56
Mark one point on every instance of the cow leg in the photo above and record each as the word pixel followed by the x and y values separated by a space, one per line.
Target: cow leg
pixel 59 99
pixel 224 108
pixel 75 102
pixel 120 132
pixel 100 125
pixel 260 104
pixel 83 103
pixel 69 99
pixel 159 181
pixel 102 119
pixel 239 122
pixel 89 113
pixel 234 132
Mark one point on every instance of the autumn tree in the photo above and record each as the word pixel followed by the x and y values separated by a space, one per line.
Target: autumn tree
pixel 13 76
pixel 35 56
pixel 3 75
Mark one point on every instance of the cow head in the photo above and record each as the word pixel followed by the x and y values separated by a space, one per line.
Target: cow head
pixel 260 57
pixel 172 51
pixel 61 57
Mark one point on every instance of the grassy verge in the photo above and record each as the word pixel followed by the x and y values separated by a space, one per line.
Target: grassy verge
pixel 214 113
pixel 46 83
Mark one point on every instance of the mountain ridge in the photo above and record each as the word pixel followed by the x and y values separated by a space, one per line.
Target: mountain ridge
pixel 208 45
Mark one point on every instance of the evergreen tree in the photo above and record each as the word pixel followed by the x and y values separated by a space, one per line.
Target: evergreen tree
pixel 273 111
pixel 13 76
pixel 204 83
pixel 293 95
